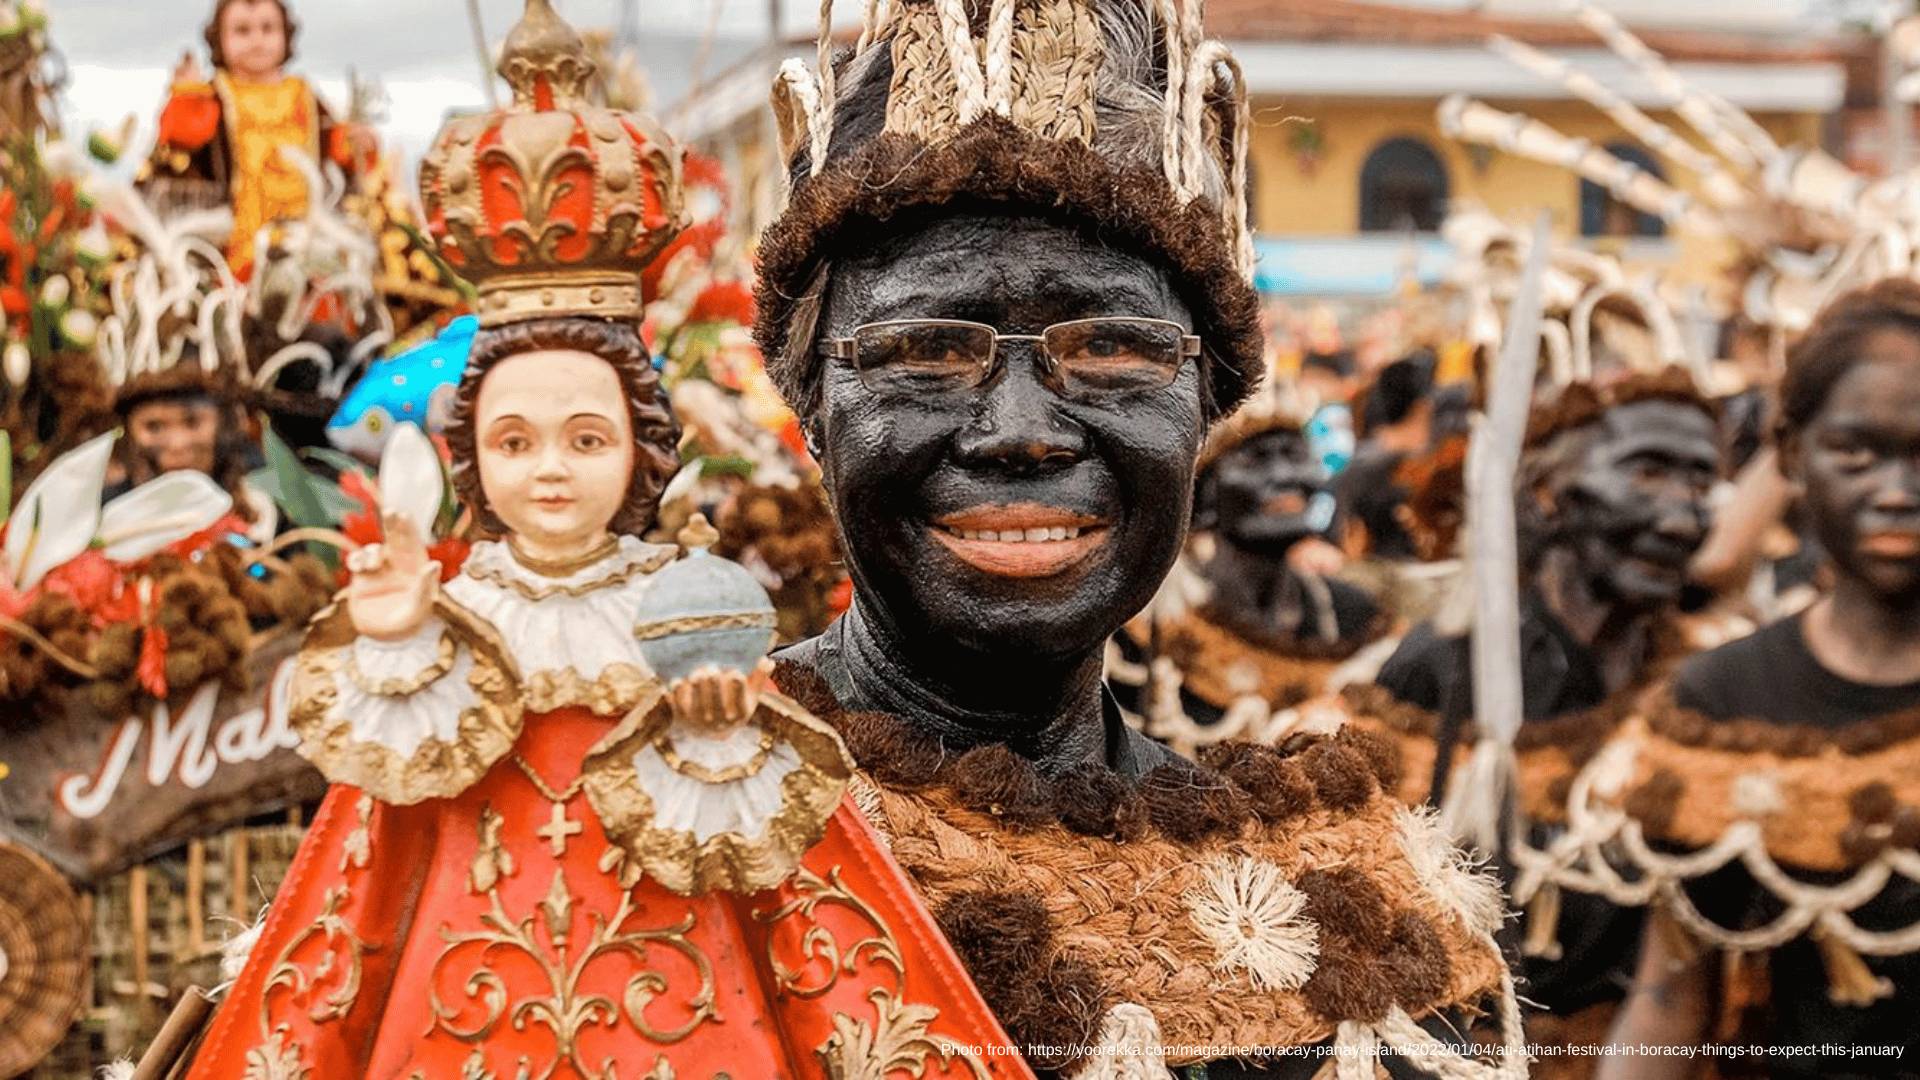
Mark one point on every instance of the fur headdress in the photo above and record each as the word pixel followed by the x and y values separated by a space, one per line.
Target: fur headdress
pixel 1110 113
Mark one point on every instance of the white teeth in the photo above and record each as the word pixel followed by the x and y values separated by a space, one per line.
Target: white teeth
pixel 1021 536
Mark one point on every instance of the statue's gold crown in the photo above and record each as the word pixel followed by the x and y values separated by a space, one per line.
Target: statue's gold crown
pixel 552 205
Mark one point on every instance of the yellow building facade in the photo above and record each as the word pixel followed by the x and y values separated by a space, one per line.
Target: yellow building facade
pixel 1308 155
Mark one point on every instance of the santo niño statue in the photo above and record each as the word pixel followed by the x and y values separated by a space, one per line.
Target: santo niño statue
pixel 221 135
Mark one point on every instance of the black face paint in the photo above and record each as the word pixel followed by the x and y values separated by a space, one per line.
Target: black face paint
pixel 1262 492
pixel 916 481
pixel 1859 459
pixel 1635 510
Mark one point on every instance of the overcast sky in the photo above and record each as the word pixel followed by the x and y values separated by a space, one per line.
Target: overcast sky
pixel 120 52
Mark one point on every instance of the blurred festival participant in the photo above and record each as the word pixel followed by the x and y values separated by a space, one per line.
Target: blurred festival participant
pixel 1240 629
pixel 1794 749
pixel 221 137
pixel 1394 425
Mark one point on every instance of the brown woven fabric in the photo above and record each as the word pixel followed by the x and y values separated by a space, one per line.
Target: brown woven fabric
pixel 1061 913
pixel 992 162
pixel 1839 798
pixel 1219 665
pixel 1548 752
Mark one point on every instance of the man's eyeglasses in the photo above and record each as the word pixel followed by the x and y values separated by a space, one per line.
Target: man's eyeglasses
pixel 1086 359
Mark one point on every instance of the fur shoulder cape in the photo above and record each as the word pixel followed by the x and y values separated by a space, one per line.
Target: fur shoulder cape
pixel 1263 898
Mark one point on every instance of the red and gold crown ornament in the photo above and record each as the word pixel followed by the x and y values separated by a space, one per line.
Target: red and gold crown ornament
pixel 552 206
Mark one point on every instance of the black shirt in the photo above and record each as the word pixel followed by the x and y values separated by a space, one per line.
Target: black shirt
pixel 1366 490
pixel 1558 673
pixel 1772 676
pixel 1559 676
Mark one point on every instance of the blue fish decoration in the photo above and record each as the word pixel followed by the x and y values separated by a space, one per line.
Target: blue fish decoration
pixel 415 386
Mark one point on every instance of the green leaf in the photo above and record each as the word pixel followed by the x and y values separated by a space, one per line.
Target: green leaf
pixel 337 504
pixel 338 461
pixel 296 494
pixel 6 473
pixel 725 465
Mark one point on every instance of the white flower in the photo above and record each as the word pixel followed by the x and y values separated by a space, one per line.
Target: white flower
pixel 162 511
pixel 55 520
pixel 410 481
pixel 18 363
pixel 55 291
pixel 93 243
pixel 1454 877
pixel 1251 914
pixel 80 327
pixel 1129 1047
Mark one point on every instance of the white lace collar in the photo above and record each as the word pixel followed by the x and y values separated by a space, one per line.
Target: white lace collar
pixel 570 635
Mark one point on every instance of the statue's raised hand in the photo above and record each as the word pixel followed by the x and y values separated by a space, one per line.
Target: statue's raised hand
pixel 394 583
pixel 188 69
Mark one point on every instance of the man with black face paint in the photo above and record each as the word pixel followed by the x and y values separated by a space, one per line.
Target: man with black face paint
pixel 1611 498
pixel 1008 297
pixel 1244 632
pixel 1823 703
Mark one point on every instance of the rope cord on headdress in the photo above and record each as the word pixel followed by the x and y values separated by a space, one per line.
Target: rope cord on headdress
pixel 956 34
pixel 1000 57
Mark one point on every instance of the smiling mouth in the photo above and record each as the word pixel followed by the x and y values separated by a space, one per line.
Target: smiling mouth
pixel 1022 540
pixel 1293 501
pixel 1891 545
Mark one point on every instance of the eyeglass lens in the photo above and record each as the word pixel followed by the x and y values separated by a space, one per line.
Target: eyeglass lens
pixel 1090 358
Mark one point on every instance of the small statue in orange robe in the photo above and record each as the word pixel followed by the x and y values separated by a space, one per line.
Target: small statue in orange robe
pixel 573 833
pixel 221 137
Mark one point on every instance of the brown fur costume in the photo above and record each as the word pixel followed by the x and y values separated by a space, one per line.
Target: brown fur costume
pixel 1068 895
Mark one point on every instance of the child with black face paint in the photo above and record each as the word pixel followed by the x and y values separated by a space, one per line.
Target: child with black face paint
pixel 1611 500
pixel 1825 704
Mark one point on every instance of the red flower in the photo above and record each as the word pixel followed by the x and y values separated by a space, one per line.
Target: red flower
pixel 363 526
pixel 452 555
pixel 13 603
pixel 841 598
pixel 92 582
pixel 151 669
pixel 723 301
pixel 216 533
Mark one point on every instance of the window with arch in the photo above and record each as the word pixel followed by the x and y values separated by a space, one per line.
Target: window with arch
pixel 1603 215
pixel 1403 186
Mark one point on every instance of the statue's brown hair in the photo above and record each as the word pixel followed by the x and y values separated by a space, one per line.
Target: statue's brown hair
pixel 211 33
